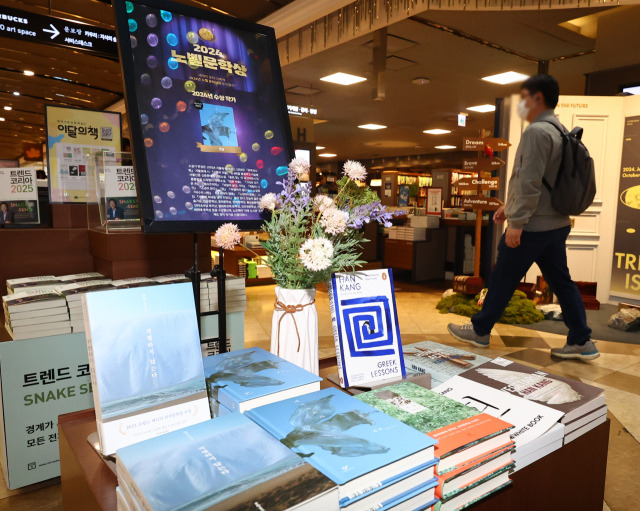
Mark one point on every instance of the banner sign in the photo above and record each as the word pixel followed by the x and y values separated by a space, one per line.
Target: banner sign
pixel 38 28
pixel 625 273
pixel 120 187
pixel 208 114
pixel 41 379
pixel 19 197
pixel 73 136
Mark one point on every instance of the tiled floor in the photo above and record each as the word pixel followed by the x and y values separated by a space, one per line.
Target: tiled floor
pixel 617 371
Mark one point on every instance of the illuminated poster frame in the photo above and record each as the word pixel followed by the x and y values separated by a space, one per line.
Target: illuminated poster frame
pixel 208 114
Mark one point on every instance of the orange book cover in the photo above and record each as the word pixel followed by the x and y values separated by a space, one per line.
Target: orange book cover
pixel 466 433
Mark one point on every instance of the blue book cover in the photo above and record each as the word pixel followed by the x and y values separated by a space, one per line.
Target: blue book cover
pixel 342 437
pixel 236 377
pixel 145 357
pixel 228 461
pixel 365 327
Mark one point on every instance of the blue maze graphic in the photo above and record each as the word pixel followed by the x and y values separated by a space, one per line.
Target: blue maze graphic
pixel 368 326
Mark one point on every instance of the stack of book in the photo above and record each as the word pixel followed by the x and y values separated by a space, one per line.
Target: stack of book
pixel 81 277
pixel 474 449
pixel 439 360
pixel 241 380
pixel 133 282
pixel 542 446
pixel 42 282
pixel 35 312
pixel 73 295
pixel 236 294
pixel 174 278
pixel 145 361
pixel 409 233
pixel 226 464
pixel 377 461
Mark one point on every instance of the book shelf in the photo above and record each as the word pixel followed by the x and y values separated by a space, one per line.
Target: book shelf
pixel 447 179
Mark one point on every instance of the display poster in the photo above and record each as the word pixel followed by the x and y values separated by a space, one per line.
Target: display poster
pixel 120 193
pixel 18 197
pixel 41 379
pixel 209 118
pixel 73 136
pixel 625 272
pixel 434 201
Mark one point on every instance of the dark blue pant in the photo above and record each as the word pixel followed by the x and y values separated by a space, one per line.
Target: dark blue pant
pixel 548 250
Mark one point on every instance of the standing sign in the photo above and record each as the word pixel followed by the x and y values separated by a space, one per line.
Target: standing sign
pixel 73 136
pixel 41 379
pixel 120 187
pixel 625 273
pixel 208 114
pixel 19 196
pixel 38 28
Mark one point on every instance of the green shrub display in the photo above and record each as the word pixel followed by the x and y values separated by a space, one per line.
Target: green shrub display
pixel 520 311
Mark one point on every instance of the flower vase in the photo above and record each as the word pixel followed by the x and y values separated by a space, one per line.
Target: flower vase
pixel 294 328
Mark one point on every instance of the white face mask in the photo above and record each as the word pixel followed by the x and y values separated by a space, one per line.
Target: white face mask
pixel 523 109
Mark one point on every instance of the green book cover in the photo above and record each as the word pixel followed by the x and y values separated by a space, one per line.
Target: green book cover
pixel 417 407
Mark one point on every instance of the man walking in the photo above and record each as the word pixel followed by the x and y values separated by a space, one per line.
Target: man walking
pixel 536 232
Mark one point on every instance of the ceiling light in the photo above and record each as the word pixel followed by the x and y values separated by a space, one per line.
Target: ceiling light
pixel 1 119
pixel 482 108
pixel 7 108
pixel 506 78
pixel 343 79
pixel 16 93
pixel 443 147
pixel 436 132
pixel 420 81
pixel 372 126
pixel 327 155
pixel 28 73
pixel 319 147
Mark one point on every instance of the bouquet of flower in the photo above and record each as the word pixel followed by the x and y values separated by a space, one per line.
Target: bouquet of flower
pixel 312 237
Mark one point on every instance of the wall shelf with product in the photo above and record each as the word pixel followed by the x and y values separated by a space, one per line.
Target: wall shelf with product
pixel 405 188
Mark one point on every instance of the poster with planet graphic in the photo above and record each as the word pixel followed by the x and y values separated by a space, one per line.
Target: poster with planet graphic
pixel 209 124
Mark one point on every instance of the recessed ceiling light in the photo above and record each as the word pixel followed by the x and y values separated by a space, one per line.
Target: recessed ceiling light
pixel 420 81
pixel 327 155
pixel 319 147
pixel 7 108
pixel 1 119
pixel 436 131
pixel 482 108
pixel 16 93
pixel 372 126
pixel 445 147
pixel 343 79
pixel 28 73
pixel 506 78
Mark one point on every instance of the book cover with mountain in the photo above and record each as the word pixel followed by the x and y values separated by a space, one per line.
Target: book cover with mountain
pixel 439 360
pixel 146 362
pixel 365 327
pixel 236 377
pixel 229 462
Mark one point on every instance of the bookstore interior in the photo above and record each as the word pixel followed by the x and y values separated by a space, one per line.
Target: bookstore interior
pixel 242 243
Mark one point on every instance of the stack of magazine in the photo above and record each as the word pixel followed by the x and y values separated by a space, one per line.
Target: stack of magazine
pixel 377 461
pixel 474 449
pixel 35 312
pixel 241 380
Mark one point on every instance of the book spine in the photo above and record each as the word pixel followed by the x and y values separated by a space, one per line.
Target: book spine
pixel 92 363
pixel 336 331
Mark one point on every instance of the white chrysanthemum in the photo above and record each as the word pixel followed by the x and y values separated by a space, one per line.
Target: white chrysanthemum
pixel 227 236
pixel 355 170
pixel 316 254
pixel 268 201
pixel 322 202
pixel 299 167
pixel 334 221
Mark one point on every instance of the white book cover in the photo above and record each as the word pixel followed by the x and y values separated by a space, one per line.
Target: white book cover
pixel 365 327
pixel 530 419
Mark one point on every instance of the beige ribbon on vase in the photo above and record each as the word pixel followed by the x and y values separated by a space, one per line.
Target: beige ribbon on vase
pixel 289 309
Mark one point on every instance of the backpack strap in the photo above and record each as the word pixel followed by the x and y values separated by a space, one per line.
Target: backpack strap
pixel 562 134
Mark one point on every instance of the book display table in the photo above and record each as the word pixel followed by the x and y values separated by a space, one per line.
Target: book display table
pixel 572 477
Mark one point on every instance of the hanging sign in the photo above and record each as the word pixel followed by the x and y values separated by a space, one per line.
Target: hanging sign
pixel 481 164
pixel 485 183
pixel 478 144
pixel 483 203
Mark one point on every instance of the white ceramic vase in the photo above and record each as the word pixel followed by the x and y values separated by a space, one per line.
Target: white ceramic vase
pixel 294 327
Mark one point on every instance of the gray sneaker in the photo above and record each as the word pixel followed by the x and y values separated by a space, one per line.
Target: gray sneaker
pixel 586 351
pixel 466 333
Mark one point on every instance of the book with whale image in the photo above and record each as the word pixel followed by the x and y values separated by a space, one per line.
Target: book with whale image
pixel 352 443
pixel 244 379
pixel 146 362
pixel 224 464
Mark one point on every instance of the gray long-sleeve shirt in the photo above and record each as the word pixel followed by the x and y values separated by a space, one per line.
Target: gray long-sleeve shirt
pixel 528 201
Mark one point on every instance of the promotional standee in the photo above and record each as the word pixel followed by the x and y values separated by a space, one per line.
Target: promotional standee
pixel 120 192
pixel 18 197
pixel 73 136
pixel 209 120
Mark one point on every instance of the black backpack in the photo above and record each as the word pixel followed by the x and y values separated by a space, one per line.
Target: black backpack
pixel 575 186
